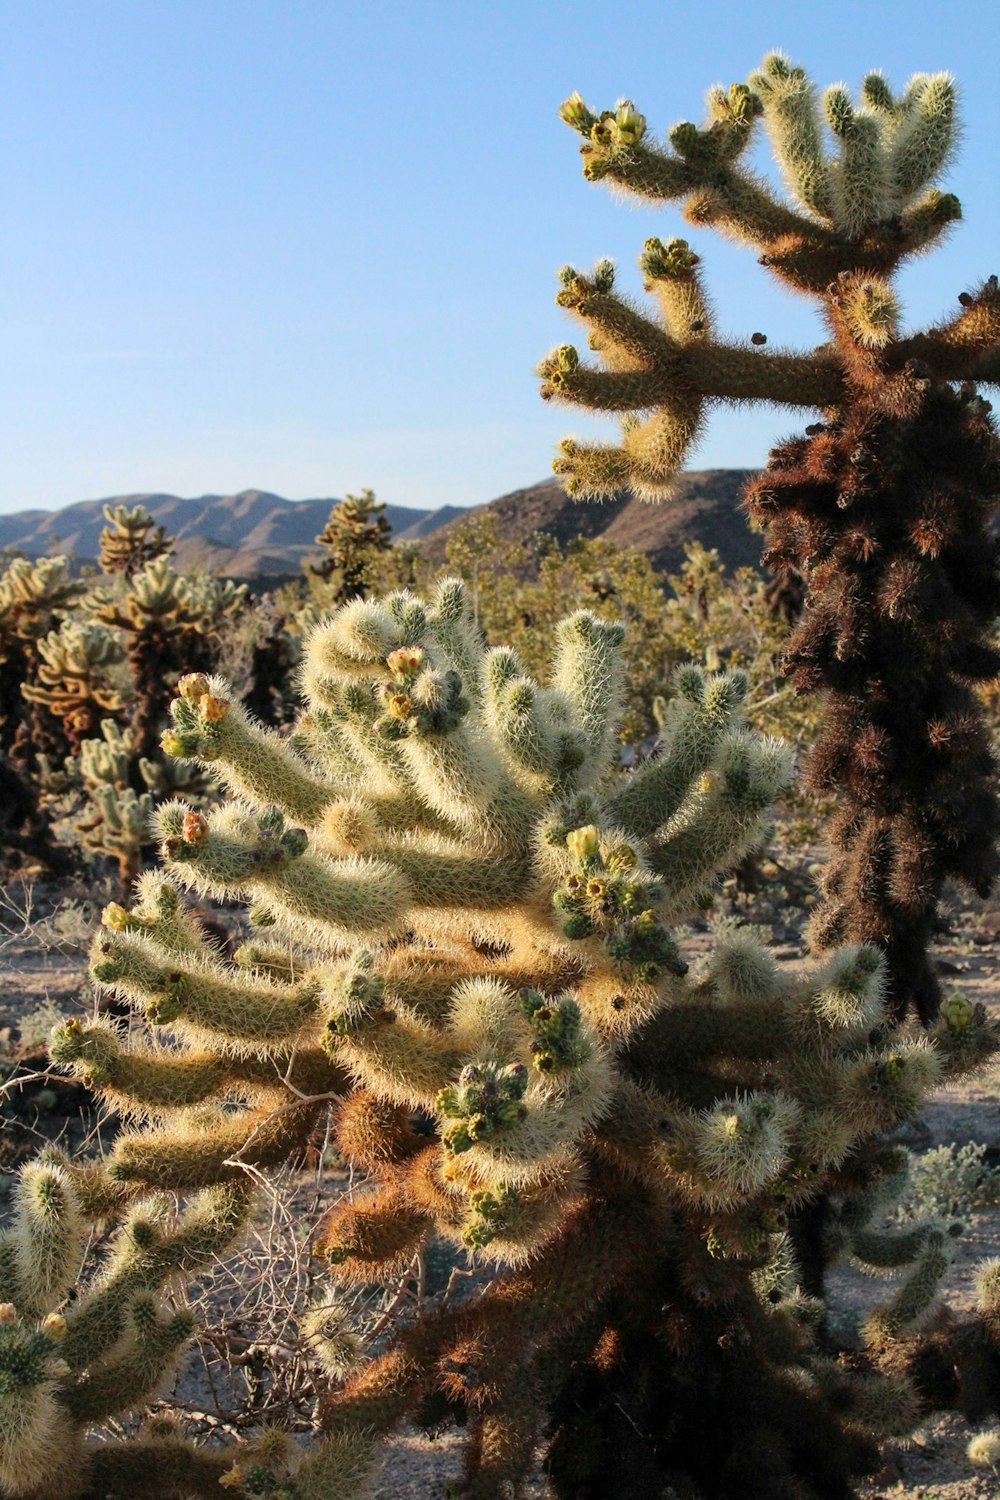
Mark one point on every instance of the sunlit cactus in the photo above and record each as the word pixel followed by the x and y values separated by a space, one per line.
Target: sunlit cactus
pixel 355 533
pixel 464 949
pixel 109 793
pixel 131 539
pixel 168 620
pixel 35 598
pixel 74 1354
pixel 76 677
pixel 881 512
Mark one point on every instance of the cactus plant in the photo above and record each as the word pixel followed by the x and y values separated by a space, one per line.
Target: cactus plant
pixel 355 533
pixel 882 508
pixel 35 598
pixel 464 947
pixel 93 803
pixel 168 620
pixel 75 674
pixel 131 539
pixel 67 1363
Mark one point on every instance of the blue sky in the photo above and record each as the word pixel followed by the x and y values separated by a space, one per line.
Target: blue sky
pixel 311 246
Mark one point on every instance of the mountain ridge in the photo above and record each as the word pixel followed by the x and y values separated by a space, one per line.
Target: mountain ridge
pixel 258 535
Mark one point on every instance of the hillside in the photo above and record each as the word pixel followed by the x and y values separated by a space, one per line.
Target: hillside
pixel 246 535
pixel 257 535
pixel 705 507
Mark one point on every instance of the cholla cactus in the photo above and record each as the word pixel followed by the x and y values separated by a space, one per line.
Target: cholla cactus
pixel 66 1365
pixel 465 946
pixel 35 597
pixel 883 508
pixel 131 539
pixel 168 619
pixel 75 677
pixel 118 788
pixel 355 533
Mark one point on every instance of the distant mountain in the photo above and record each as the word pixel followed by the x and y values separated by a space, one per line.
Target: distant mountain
pixel 256 535
pixel 704 507
pixel 248 535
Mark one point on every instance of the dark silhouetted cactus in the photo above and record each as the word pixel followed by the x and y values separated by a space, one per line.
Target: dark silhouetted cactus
pixel 883 509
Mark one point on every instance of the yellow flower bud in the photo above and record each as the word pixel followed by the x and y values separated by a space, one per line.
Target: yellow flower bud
pixel 171 743
pixel 583 843
pixel 8 1313
pixel 573 111
pixel 54 1326
pixel 405 661
pixel 115 917
pixel 194 829
pixel 401 705
pixel 630 125
pixel 193 685
pixel 957 1012
pixel 213 709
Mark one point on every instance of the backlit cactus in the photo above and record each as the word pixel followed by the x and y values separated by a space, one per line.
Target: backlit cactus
pixel 355 533
pixel 881 511
pixel 75 677
pixel 131 539
pixel 35 598
pixel 69 1363
pixel 167 619
pixel 464 949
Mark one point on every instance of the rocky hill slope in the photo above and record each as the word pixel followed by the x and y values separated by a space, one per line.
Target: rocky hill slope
pixel 258 535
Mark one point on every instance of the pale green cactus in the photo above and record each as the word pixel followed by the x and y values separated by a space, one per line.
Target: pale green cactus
pixel 131 539
pixel 76 677
pixel 35 594
pixel 106 794
pixel 68 1363
pixel 861 178
pixel 465 945
pixel 167 619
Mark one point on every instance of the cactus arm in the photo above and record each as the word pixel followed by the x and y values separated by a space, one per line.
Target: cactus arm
pixel 149 1080
pixel 732 199
pixel 373 1238
pixel 452 627
pixel 700 716
pixel 960 347
pixel 914 1299
pixel 157 1468
pixel 132 1377
pixel 196 1152
pixel 715 371
pixel 393 1051
pixel 251 760
pixel 231 853
pixel 588 672
pixel 720 820
pixel 144 1255
pixel 237 1009
pixel 48 1237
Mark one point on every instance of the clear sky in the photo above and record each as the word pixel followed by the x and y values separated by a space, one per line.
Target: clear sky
pixel 306 245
